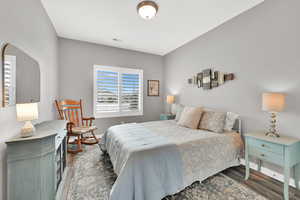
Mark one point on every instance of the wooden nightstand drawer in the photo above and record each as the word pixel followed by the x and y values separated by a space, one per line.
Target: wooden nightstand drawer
pixel 266 155
pixel 267 146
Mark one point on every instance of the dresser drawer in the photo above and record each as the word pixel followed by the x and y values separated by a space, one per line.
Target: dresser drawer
pixel 266 155
pixel 267 146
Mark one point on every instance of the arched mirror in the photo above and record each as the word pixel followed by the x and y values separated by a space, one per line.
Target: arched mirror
pixel 20 76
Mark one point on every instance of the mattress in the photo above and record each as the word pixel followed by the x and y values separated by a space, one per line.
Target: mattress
pixel 160 158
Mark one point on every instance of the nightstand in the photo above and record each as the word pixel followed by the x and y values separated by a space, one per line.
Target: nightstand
pixel 167 116
pixel 283 151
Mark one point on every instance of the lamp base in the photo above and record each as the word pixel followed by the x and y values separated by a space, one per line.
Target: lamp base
pixel 272 130
pixel 170 108
pixel 27 130
pixel 272 134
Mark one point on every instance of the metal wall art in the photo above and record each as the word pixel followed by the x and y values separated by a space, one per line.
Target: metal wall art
pixel 208 79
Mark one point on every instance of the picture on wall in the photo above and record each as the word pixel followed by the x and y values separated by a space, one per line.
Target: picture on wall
pixel 153 87
pixel 206 79
pixel 209 79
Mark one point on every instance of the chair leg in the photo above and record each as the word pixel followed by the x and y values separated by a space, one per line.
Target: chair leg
pixel 94 136
pixel 78 144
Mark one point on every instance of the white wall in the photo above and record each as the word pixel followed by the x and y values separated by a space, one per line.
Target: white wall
pixel 76 76
pixel 26 25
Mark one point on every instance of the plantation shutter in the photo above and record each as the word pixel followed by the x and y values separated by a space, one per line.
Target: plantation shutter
pixel 117 91
pixel 9 80
pixel 130 93
pixel 107 91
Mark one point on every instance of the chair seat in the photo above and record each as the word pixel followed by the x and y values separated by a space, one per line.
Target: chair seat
pixel 83 129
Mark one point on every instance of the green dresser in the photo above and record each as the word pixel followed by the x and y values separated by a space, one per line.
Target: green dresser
pixel 33 167
pixel 283 151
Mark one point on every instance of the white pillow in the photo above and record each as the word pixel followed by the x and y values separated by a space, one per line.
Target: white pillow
pixel 190 117
pixel 179 109
pixel 230 120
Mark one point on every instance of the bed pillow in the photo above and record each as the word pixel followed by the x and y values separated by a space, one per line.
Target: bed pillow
pixel 213 121
pixel 179 109
pixel 230 120
pixel 190 117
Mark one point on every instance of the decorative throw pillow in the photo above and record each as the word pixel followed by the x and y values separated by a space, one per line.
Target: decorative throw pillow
pixel 213 121
pixel 190 117
pixel 179 109
pixel 230 120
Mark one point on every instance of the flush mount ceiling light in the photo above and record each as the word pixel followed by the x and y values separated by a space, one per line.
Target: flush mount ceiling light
pixel 147 9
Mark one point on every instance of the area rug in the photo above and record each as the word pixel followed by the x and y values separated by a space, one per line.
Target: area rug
pixel 94 177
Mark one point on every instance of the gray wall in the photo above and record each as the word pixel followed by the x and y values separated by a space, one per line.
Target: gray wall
pixel 261 46
pixel 26 25
pixel 76 61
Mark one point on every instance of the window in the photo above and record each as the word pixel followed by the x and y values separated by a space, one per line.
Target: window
pixel 117 92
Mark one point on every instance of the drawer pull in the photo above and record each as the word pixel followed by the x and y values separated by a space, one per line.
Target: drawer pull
pixel 263 145
pixel 262 155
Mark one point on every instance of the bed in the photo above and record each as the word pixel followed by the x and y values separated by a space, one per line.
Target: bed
pixel 160 158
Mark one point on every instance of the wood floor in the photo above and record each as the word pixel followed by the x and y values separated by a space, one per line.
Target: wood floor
pixel 68 175
pixel 262 184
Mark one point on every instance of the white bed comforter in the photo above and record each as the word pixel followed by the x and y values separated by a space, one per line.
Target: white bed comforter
pixel 160 158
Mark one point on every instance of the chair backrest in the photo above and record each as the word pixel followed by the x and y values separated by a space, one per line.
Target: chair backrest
pixel 70 110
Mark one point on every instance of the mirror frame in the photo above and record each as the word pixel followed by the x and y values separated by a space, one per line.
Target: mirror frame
pixel 3 46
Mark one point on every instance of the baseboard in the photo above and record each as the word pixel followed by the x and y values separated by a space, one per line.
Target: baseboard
pixel 270 173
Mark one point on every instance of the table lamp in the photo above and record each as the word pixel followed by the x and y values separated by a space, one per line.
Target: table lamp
pixel 27 112
pixel 170 100
pixel 273 103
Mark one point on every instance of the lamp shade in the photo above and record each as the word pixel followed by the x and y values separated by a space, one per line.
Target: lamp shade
pixel 27 111
pixel 273 102
pixel 170 99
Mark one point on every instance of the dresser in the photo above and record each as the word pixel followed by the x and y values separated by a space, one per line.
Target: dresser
pixel 35 165
pixel 283 151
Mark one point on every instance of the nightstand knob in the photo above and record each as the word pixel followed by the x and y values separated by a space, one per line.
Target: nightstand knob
pixel 263 145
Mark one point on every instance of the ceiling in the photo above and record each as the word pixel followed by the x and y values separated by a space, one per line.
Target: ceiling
pixel 177 21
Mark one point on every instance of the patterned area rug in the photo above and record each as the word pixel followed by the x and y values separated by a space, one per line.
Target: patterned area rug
pixel 94 177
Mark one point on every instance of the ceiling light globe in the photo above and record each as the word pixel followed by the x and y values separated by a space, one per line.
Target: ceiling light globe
pixel 147 9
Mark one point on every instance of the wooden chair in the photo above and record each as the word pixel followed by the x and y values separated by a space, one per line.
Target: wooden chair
pixel 78 126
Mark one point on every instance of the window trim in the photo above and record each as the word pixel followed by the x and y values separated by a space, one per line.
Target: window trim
pixel 119 70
